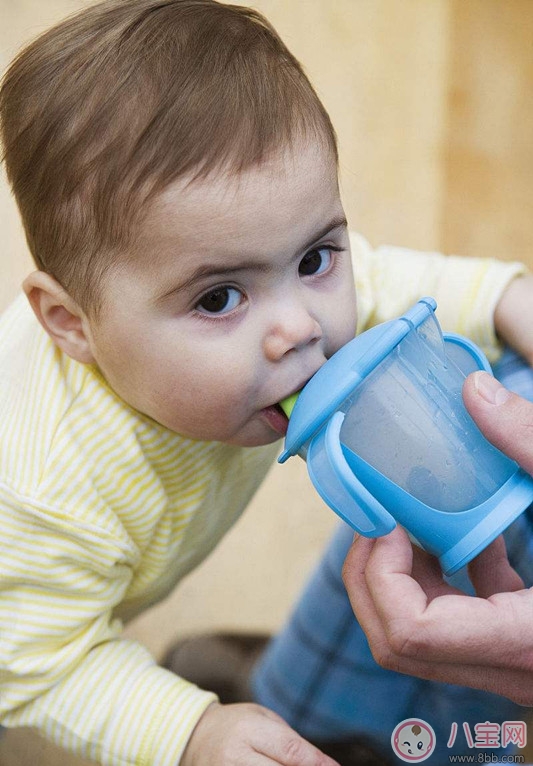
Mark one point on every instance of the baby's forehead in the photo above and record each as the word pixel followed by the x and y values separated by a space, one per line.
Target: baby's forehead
pixel 282 172
pixel 273 208
pixel 272 194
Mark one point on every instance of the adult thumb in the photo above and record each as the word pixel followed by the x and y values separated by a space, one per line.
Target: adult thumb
pixel 504 418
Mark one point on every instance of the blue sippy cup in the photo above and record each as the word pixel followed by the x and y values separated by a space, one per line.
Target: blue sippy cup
pixel 387 439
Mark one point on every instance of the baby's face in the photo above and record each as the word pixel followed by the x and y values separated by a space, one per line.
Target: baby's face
pixel 238 289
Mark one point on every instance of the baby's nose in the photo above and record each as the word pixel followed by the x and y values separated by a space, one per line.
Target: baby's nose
pixel 291 331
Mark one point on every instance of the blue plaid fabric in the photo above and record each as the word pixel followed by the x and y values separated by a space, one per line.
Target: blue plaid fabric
pixel 319 674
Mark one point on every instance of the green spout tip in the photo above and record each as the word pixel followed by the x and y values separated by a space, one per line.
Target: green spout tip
pixel 287 405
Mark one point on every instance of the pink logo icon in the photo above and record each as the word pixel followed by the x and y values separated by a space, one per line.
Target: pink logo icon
pixel 413 740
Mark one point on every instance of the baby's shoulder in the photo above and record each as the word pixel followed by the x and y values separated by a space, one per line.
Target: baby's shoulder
pixel 38 387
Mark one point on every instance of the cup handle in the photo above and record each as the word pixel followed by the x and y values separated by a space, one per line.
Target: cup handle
pixel 466 355
pixel 340 488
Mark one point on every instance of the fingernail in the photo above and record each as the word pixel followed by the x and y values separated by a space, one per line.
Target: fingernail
pixel 490 389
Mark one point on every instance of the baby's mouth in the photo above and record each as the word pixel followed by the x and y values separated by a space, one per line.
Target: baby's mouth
pixel 276 418
pixel 278 414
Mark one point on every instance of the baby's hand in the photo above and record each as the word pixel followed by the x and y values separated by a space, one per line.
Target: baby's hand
pixel 248 735
pixel 513 317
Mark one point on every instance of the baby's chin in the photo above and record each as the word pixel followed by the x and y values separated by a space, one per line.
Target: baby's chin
pixel 266 427
pixel 263 430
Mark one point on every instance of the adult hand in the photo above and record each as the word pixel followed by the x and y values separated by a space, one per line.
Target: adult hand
pixel 418 624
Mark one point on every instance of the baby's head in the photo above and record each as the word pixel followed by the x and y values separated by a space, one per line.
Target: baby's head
pixel 176 178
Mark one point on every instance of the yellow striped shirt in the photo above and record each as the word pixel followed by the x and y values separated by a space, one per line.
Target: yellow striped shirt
pixel 103 511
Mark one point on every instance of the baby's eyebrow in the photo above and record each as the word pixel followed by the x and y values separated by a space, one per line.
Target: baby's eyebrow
pixel 215 270
pixel 335 223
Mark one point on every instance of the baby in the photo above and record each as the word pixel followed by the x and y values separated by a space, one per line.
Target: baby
pixel 176 176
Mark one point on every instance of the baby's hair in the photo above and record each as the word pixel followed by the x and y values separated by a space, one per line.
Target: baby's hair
pixel 105 110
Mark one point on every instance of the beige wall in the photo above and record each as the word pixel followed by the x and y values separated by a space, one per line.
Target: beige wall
pixel 432 103
pixel 488 154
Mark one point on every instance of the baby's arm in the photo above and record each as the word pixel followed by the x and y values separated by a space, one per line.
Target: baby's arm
pixel 482 298
pixel 513 317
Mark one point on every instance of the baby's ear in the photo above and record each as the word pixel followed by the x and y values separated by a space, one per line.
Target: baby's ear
pixel 60 315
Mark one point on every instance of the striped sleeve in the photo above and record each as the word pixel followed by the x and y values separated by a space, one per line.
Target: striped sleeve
pixel 65 669
pixel 391 279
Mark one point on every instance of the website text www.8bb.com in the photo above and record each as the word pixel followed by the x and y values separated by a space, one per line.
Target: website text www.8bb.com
pixel 486 758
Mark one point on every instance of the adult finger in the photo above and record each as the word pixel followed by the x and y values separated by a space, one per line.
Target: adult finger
pixel 491 572
pixel 354 578
pixel 505 419
pixel 427 572
pixel 453 627
pixel 365 592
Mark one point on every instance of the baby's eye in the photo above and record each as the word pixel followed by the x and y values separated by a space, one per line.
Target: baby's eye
pixel 221 300
pixel 315 262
